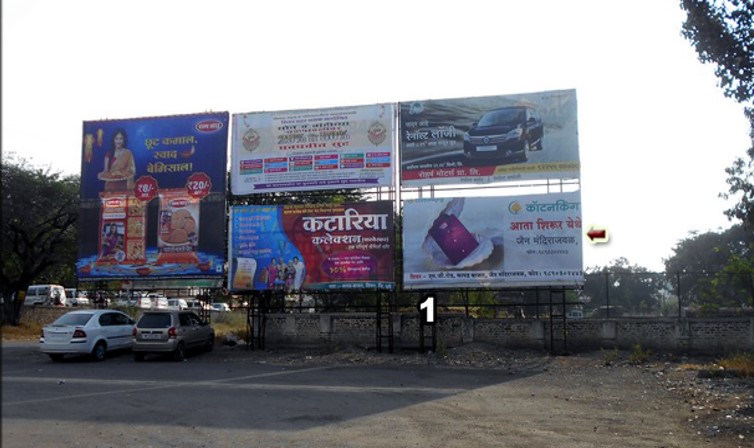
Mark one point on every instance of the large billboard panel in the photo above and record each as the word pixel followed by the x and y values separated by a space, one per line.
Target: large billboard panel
pixel 489 139
pixel 346 147
pixel 312 247
pixel 513 241
pixel 153 198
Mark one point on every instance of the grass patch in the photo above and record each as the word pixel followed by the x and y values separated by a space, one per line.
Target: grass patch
pixel 21 332
pixel 741 363
pixel 610 357
pixel 233 323
pixel 639 355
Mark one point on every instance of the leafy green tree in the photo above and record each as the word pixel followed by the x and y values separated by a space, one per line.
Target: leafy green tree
pixel 722 32
pixel 40 209
pixel 710 268
pixel 632 287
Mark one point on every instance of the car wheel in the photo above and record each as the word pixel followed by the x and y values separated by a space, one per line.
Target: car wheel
pixel 57 357
pixel 99 350
pixel 180 352
pixel 525 152
pixel 138 356
pixel 210 344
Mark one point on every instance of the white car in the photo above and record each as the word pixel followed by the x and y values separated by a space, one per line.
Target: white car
pixel 93 332
pixel 177 304
pixel 221 307
pixel 153 302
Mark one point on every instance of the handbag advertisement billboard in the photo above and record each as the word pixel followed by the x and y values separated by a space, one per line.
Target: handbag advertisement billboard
pixel 312 247
pixel 489 139
pixel 153 198
pixel 512 241
pixel 347 147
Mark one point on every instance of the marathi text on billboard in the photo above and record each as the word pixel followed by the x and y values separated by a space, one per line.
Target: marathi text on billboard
pixel 493 241
pixel 489 139
pixel 153 198
pixel 312 247
pixel 349 147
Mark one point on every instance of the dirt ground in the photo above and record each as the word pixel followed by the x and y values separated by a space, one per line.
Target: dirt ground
pixel 596 399
pixel 714 407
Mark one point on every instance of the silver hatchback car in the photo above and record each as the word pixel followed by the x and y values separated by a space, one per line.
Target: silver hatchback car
pixel 171 332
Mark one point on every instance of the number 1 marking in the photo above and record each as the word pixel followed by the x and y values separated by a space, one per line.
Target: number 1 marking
pixel 429 305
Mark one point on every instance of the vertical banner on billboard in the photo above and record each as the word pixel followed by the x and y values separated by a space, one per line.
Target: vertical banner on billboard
pixel 153 198
pixel 489 139
pixel 493 241
pixel 347 147
pixel 311 247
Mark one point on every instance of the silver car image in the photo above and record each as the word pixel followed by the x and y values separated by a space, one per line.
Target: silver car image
pixel 171 332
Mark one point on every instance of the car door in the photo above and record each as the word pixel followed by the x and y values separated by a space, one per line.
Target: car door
pixel 189 329
pixel 198 332
pixel 122 329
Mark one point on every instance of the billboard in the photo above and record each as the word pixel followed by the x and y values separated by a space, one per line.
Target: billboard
pixel 347 147
pixel 512 241
pixel 311 247
pixel 153 198
pixel 489 139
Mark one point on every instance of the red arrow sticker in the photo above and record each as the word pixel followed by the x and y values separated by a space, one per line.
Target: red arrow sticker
pixel 598 235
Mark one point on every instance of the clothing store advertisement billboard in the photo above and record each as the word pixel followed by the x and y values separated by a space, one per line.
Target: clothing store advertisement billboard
pixel 311 247
pixel 489 139
pixel 515 241
pixel 153 198
pixel 347 147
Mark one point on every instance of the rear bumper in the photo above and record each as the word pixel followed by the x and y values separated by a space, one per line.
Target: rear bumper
pixel 154 347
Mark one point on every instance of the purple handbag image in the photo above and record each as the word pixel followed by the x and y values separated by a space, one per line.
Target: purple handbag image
pixel 453 237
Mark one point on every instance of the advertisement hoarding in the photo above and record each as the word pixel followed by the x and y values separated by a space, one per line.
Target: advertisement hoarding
pixel 347 147
pixel 153 198
pixel 512 241
pixel 311 247
pixel 489 139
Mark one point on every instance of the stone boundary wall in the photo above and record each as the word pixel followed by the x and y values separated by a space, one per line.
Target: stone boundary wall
pixel 697 335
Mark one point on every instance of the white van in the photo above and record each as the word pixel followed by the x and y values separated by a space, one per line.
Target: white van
pixel 153 302
pixel 45 295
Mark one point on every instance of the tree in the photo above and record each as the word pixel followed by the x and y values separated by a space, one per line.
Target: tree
pixel 709 268
pixel 39 234
pixel 722 32
pixel 631 287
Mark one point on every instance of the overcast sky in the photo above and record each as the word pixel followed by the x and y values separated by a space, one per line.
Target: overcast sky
pixel 655 131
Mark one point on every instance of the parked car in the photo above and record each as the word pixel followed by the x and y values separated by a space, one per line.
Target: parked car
pixel 198 305
pixel 221 307
pixel 506 134
pixel 45 295
pixel 177 304
pixel 93 332
pixel 171 332
pixel 575 314
pixel 153 301
pixel 75 297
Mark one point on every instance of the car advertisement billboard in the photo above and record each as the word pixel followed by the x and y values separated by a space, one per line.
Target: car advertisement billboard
pixel 489 139
pixel 512 241
pixel 347 147
pixel 153 198
pixel 311 247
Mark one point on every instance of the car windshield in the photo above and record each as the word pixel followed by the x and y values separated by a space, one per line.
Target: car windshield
pixel 73 319
pixel 154 320
pixel 502 117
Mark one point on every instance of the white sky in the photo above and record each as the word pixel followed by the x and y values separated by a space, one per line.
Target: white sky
pixel 655 131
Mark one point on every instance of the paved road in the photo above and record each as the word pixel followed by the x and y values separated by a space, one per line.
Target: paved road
pixel 225 399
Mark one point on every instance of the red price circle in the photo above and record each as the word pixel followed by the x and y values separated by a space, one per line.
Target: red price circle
pixel 199 185
pixel 145 188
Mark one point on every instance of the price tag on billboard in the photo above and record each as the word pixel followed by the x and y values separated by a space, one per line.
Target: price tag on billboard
pixel 199 185
pixel 145 188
